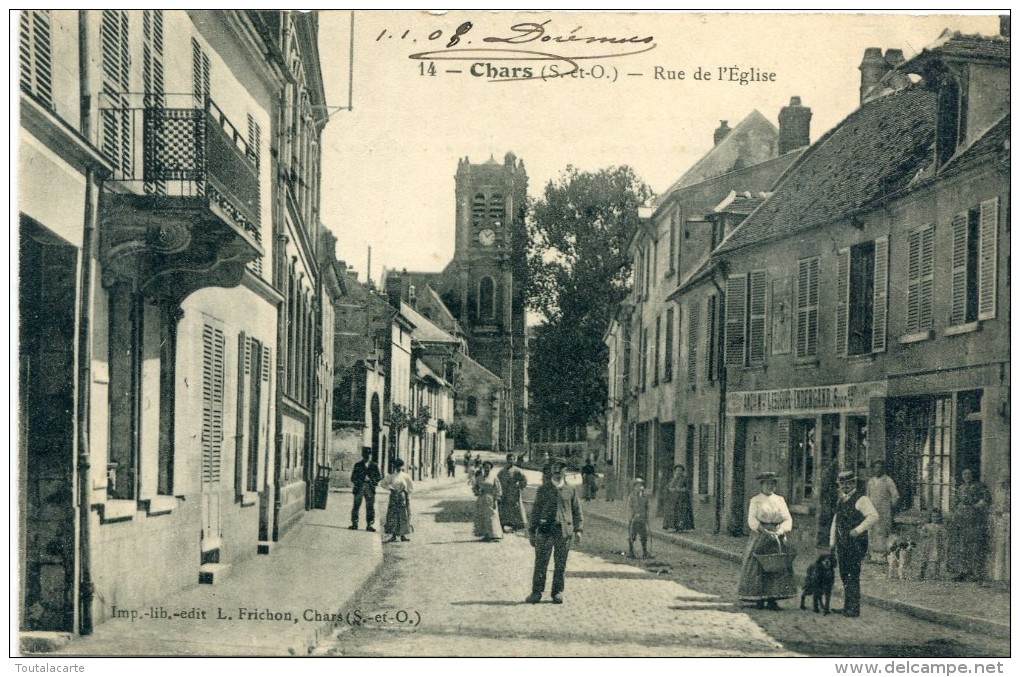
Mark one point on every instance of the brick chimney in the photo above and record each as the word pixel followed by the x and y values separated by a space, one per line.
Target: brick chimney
pixel 873 68
pixel 722 131
pixel 794 126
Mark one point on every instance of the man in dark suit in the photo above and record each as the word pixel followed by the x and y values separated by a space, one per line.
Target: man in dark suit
pixel 364 478
pixel 848 536
pixel 555 521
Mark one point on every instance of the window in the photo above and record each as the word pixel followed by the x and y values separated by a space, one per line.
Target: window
pixel 252 410
pixel 693 322
pixel 667 369
pixel 862 272
pixel 975 258
pixel 486 298
pixel 802 459
pixel 712 352
pixel 745 319
pixel 807 308
pixel 674 224
pixel 926 427
pixel 952 119
pixel 920 278
pixel 643 356
pixel 35 58
pixel 125 345
pixel 472 405
pixel 658 339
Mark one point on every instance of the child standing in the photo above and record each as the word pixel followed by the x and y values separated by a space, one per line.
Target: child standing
pixel 639 516
pixel 934 547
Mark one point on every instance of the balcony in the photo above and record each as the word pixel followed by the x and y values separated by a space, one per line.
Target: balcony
pixel 182 209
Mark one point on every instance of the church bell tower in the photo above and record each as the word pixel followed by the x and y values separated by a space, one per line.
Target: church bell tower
pixel 489 268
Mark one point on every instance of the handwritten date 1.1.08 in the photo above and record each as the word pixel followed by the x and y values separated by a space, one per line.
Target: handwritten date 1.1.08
pixel 520 33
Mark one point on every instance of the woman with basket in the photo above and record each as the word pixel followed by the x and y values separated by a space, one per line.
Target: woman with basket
pixel 398 512
pixel 767 572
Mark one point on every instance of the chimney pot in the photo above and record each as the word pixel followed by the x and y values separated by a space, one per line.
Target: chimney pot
pixel 722 131
pixel 873 68
pixel 794 126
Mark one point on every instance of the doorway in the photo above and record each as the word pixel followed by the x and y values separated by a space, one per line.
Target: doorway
pixel 46 312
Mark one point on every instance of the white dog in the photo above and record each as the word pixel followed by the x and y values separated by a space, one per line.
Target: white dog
pixel 899 555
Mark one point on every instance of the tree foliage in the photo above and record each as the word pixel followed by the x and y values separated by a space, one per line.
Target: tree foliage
pixel 578 270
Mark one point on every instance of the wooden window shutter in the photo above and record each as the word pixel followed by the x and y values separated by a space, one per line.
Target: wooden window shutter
pixel 842 299
pixel 880 295
pixel 914 280
pixel 958 308
pixel 736 309
pixel 254 140
pixel 807 307
pixel 199 73
pixel 213 345
pixel 988 250
pixel 711 339
pixel 658 343
pixel 693 329
pixel 244 368
pixel 927 292
pixel 36 58
pixel 667 367
pixel 756 318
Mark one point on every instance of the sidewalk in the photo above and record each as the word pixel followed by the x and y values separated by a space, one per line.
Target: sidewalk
pixel 967 606
pixel 317 568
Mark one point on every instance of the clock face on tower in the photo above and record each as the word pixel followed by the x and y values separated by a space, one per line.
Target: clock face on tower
pixel 487 237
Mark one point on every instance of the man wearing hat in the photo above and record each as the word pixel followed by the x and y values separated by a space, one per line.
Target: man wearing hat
pixel 555 521
pixel 855 514
pixel 638 517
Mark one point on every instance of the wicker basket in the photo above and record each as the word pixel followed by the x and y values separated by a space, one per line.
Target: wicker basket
pixel 775 563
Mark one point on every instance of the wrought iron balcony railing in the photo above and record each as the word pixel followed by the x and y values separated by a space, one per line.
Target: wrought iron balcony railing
pixel 191 151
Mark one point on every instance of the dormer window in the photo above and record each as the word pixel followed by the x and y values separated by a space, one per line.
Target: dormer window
pixel 952 118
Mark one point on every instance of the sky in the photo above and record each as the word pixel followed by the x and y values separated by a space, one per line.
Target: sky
pixel 389 161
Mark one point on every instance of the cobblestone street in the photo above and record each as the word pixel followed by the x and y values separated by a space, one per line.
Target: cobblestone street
pixel 470 597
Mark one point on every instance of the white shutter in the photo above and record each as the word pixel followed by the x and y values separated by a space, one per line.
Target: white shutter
pixel 958 311
pixel 693 329
pixel 988 250
pixel 842 300
pixel 241 435
pixel 736 312
pixel 880 297
pixel 213 345
pixel 927 282
pixel 913 319
pixel 756 318
pixel 807 307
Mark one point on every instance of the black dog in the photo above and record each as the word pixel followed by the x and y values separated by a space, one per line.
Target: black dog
pixel 818 583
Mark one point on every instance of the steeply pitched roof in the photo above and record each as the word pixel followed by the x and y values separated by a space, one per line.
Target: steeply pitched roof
pixel 995 140
pixel 875 152
pixel 424 329
pixel 753 140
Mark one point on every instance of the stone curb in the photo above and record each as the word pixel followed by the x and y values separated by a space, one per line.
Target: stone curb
pixel 978 625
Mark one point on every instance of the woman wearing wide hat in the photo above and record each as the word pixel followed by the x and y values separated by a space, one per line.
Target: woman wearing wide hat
pixel 767 572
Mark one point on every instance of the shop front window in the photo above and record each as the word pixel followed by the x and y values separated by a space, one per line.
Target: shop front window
pixel 802 460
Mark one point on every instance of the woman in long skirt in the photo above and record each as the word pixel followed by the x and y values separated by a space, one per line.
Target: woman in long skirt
pixel 488 491
pixel 671 498
pixel 512 481
pixel 968 529
pixel 398 511
pixel 769 520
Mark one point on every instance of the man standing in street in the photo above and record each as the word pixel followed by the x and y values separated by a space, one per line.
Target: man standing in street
pixel 364 478
pixel 556 520
pixel 855 514
pixel 451 464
